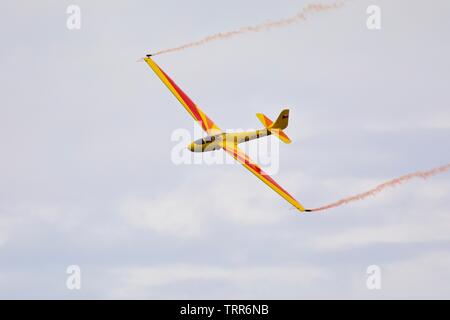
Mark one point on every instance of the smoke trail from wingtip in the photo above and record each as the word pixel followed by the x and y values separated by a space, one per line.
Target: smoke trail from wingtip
pixel 385 185
pixel 300 16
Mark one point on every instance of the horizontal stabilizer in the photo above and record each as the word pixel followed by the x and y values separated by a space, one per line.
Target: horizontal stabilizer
pixel 276 128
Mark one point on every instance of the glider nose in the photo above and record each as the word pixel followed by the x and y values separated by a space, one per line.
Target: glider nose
pixel 191 147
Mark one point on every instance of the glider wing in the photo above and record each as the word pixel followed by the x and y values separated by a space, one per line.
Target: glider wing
pixel 206 123
pixel 232 149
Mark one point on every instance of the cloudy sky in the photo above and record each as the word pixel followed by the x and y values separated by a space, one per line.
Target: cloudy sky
pixel 86 176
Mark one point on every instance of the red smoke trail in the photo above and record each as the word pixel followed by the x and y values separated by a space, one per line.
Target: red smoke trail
pixel 300 16
pixel 388 184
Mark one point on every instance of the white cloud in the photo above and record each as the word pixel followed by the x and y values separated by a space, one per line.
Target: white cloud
pixel 425 276
pixel 438 122
pixel 183 217
pixel 185 212
pixel 3 237
pixel 422 219
pixel 407 232
pixel 26 220
pixel 147 281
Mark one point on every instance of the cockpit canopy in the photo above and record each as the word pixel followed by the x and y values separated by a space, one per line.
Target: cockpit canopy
pixel 205 140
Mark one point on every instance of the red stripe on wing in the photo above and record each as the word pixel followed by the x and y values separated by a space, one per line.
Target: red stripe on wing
pixel 191 105
pixel 243 158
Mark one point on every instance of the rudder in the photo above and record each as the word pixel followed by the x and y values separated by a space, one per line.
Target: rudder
pixel 282 120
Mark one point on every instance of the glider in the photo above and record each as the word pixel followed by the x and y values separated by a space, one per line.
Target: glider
pixel 217 139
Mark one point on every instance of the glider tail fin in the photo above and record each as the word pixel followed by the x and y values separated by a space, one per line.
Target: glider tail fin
pixel 276 128
pixel 282 120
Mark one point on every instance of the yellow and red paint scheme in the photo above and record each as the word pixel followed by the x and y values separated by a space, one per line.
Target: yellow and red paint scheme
pixel 217 139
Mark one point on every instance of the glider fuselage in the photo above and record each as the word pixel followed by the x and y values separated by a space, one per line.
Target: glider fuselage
pixel 214 142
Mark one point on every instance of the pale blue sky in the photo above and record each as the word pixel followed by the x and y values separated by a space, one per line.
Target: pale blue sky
pixel 87 179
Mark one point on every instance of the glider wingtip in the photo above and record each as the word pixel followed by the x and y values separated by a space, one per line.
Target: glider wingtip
pixel 301 209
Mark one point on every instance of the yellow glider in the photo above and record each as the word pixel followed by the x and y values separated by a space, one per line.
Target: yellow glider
pixel 217 139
